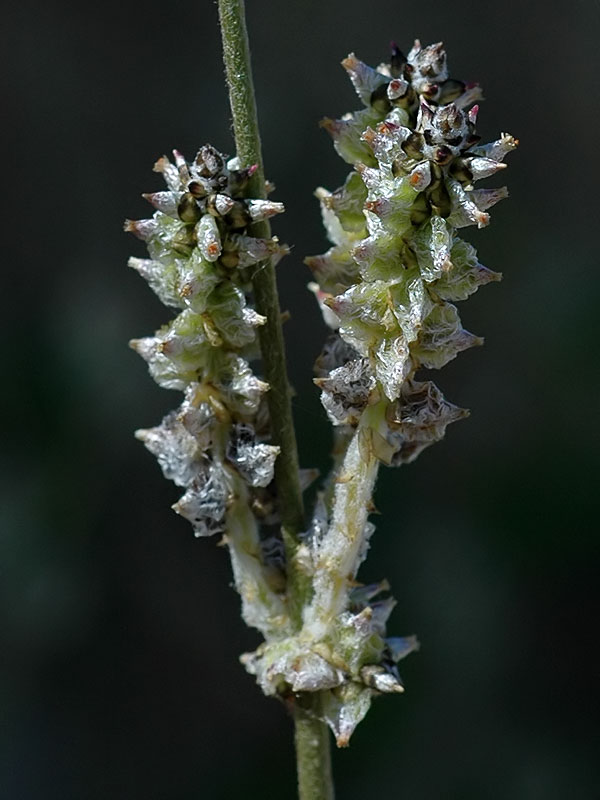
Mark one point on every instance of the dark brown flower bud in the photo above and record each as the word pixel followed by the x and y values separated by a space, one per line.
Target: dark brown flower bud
pixel 397 61
pixel 413 145
pixel 379 99
pixel 409 259
pixel 209 161
pixel 472 140
pixel 430 91
pixel 198 189
pixel 239 216
pixel 219 204
pixel 398 168
pixel 450 90
pixel 439 198
pixel 443 155
pixel 229 260
pixel 184 240
pixel 238 179
pixel 421 210
pixel 188 209
pixel 460 170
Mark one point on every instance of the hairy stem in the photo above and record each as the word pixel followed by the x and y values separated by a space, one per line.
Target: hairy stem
pixel 262 606
pixel 236 54
pixel 313 752
pixel 312 736
pixel 342 548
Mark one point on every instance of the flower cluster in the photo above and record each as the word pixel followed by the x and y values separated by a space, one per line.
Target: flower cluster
pixel 387 287
pixel 397 263
pixel 201 260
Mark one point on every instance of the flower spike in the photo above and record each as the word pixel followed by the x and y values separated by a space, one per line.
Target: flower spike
pixel 386 288
pixel 213 444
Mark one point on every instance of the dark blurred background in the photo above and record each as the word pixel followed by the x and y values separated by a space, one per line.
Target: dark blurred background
pixel 121 632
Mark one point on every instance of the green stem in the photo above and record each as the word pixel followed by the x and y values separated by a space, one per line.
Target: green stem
pixel 312 736
pixel 236 54
pixel 312 752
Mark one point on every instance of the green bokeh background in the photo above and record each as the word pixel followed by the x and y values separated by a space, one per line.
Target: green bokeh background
pixel 121 633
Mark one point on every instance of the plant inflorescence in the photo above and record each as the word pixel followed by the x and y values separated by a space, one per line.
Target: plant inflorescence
pixel 387 288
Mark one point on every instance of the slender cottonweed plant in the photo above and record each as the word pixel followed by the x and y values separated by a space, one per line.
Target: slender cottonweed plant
pixel 386 287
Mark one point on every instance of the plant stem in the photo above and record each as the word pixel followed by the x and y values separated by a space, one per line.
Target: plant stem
pixel 312 752
pixel 312 736
pixel 236 54
pixel 339 553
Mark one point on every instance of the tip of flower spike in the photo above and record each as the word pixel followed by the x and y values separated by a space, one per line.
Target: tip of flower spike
pixel 314 263
pixel 472 114
pixel 397 58
pixel 139 345
pixel 263 209
pixel 164 166
pixel 472 92
pixel 401 646
pixel 377 677
pixel 486 198
pixel 141 434
pixel 143 266
pixel 182 167
pixel 350 62
pixel 509 141
pixel 415 48
pixel 169 172
pixel 179 159
pixel 166 202
pixel 142 228
pixel 332 126
pixel 325 302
